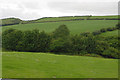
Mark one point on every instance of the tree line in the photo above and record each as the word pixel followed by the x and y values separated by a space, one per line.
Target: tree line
pixel 60 42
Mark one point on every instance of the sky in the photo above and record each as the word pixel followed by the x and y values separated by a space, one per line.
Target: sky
pixel 34 9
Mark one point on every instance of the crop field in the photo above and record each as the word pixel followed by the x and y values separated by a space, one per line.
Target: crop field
pixel 46 65
pixel 75 27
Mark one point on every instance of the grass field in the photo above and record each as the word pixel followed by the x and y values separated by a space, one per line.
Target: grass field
pixel 76 27
pixel 42 65
pixel 70 18
pixel 110 33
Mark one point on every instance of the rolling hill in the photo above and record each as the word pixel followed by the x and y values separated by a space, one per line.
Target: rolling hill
pixel 76 27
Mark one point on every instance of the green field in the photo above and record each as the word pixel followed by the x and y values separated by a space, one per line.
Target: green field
pixel 76 27
pixel 70 18
pixel 46 65
pixel 110 33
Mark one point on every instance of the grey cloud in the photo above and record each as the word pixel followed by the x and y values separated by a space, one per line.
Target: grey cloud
pixel 95 7
pixel 33 9
pixel 32 5
pixel 19 14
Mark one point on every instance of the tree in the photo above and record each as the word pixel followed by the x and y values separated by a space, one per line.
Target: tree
pixel 111 53
pixel 118 26
pixel 8 31
pixel 10 39
pixel 61 45
pixel 85 34
pixel 61 32
pixel 78 45
pixel 43 43
pixel 103 30
pixel 96 32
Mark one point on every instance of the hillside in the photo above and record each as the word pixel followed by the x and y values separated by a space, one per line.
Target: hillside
pixel 111 33
pixel 14 21
pixel 70 18
pixel 76 27
pixel 10 21
pixel 42 65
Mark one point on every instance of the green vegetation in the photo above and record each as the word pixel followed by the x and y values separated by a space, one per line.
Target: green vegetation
pixel 14 21
pixel 10 21
pixel 110 33
pixel 75 27
pixel 58 47
pixel 71 18
pixel 45 65
pixel 60 41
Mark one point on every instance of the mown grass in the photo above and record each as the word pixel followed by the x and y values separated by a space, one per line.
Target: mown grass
pixel 76 27
pixel 46 65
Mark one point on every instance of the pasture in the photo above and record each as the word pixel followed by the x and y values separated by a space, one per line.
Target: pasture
pixel 110 33
pixel 70 18
pixel 46 65
pixel 75 27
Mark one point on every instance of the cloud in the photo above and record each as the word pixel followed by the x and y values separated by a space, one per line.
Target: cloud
pixel 33 9
pixel 87 7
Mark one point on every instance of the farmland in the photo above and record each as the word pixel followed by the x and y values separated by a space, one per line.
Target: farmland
pixel 111 33
pixel 75 27
pixel 38 64
pixel 69 18
pixel 42 65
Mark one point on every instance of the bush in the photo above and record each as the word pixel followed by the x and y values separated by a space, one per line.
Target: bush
pixel 103 30
pixel 113 41
pixel 111 53
pixel 96 32
pixel 118 26
pixel 93 55
pixel 61 46
pixel 110 29
pixel 85 34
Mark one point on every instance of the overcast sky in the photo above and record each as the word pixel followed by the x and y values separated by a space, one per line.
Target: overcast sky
pixel 34 9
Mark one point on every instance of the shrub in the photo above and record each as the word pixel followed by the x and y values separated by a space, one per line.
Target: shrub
pixel 61 46
pixel 103 30
pixel 110 29
pixel 111 53
pixel 118 26
pixel 96 32
pixel 85 34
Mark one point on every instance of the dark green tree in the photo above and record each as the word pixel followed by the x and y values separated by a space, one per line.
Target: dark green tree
pixel 61 46
pixel 43 43
pixel 10 39
pixel 118 26
pixel 61 32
